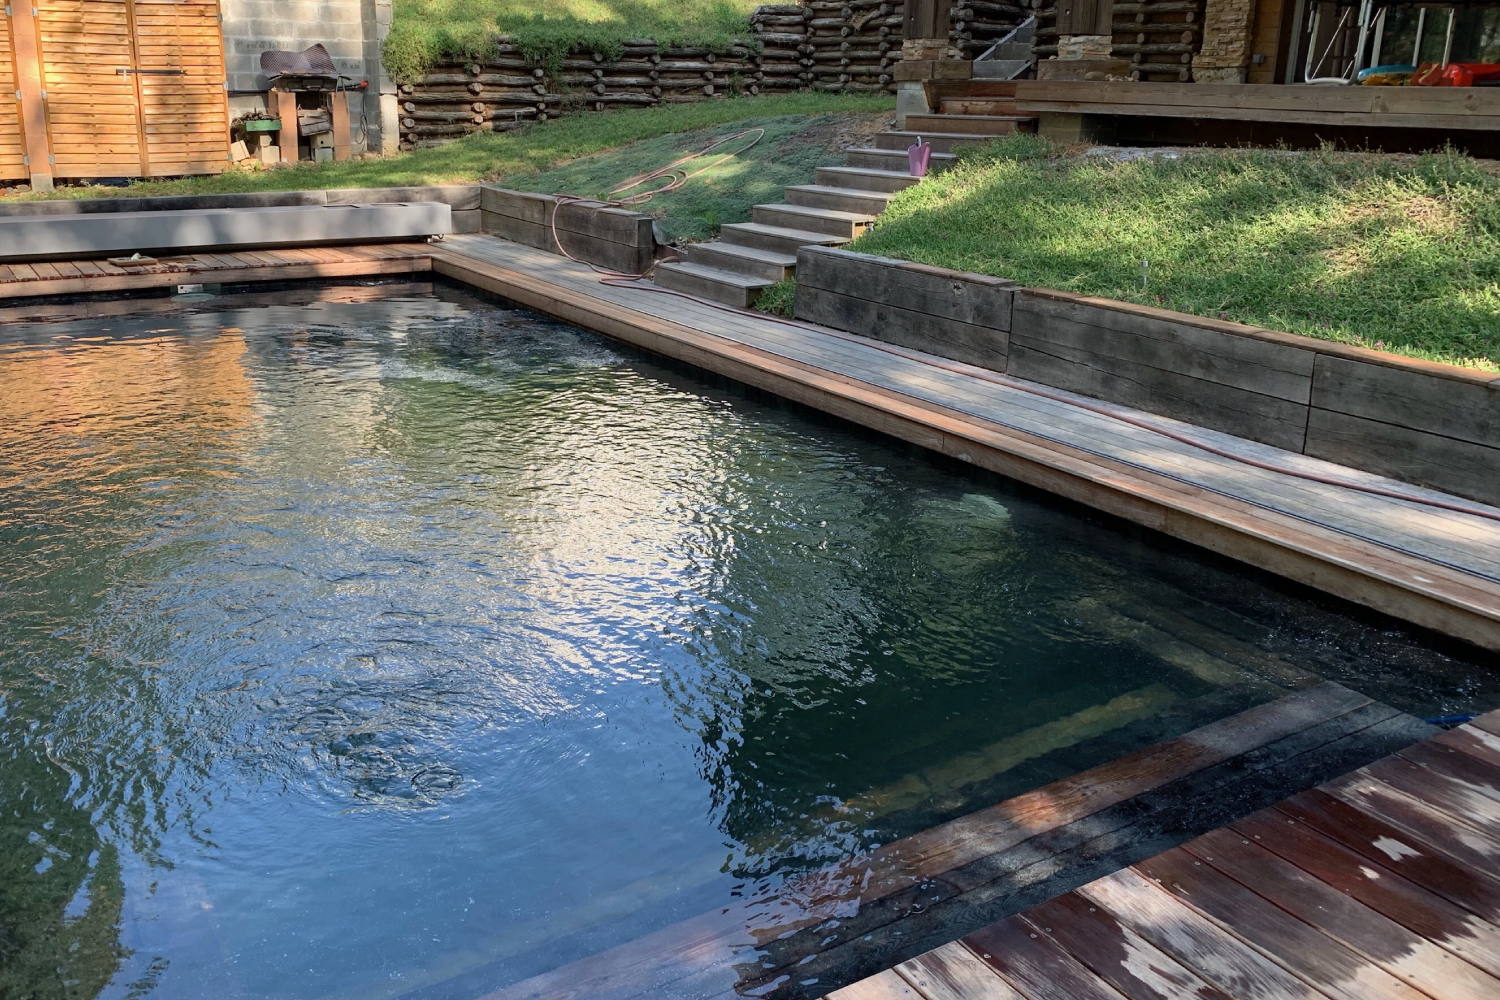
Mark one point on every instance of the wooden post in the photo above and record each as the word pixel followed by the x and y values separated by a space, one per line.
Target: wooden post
pixel 341 143
pixel 33 101
pixel 285 105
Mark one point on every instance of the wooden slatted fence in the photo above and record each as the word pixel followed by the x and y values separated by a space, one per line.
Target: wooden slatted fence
pixel 121 88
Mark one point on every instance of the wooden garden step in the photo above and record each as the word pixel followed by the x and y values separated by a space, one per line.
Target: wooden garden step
pixel 868 179
pixel 779 239
pixel 895 159
pixel 838 199
pixel 970 124
pixel 846 225
pixel 728 287
pixel 752 261
pixel 941 142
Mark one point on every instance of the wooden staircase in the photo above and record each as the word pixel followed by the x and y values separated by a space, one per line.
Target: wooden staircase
pixel 748 257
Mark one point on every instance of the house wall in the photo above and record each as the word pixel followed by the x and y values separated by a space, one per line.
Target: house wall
pixel 351 30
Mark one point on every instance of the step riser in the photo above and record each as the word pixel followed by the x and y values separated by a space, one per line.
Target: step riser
pixel 851 202
pixel 763 241
pixel 939 144
pixel 891 159
pixel 831 177
pixel 842 228
pixel 705 254
pixel 707 288
pixel 939 123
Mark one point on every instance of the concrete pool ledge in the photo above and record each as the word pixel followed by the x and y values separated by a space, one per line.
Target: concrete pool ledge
pixel 1435 568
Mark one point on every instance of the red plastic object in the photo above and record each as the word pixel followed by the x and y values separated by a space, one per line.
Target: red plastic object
pixel 1455 74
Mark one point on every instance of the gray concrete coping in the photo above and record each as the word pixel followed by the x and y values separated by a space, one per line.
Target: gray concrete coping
pixel 459 197
pixel 58 237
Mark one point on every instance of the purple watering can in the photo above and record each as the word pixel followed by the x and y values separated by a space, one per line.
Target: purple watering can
pixel 918 156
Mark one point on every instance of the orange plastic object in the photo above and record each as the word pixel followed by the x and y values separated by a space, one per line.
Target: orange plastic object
pixel 1455 74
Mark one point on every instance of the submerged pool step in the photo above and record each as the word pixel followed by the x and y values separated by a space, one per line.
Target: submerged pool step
pixel 714 283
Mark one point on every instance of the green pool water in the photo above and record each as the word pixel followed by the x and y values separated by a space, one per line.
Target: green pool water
pixel 391 643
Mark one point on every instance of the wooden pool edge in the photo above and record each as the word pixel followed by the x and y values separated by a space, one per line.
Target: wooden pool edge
pixel 1415 590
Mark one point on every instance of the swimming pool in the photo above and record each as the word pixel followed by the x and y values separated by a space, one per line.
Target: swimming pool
pixel 385 642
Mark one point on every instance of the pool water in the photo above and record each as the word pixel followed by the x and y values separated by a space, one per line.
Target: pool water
pixel 385 642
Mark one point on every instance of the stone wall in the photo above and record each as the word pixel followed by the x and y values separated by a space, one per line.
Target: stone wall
pixel 1227 37
pixel 351 30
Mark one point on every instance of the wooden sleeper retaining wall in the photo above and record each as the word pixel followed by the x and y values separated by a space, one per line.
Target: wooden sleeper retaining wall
pixel 1425 423
pixel 615 238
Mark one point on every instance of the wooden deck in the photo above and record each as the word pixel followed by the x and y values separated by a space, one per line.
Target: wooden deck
pixel 1466 108
pixel 1437 568
pixel 832 927
pixel 1381 885
pixel 82 277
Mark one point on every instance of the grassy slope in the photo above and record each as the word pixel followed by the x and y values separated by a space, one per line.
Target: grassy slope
pixel 425 31
pixel 1398 253
pixel 497 156
pixel 791 150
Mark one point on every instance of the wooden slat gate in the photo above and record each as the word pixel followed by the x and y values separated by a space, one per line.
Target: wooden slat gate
pixel 121 88
pixel 12 135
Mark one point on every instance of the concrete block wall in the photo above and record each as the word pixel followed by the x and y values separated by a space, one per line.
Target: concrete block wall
pixel 351 30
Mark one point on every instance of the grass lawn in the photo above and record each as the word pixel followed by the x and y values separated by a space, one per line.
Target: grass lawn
pixel 425 32
pixel 790 152
pixel 1395 253
pixel 504 156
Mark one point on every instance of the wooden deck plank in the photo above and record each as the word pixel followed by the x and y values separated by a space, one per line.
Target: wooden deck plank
pixel 1193 940
pixel 881 986
pixel 1297 946
pixel 1457 773
pixel 1475 844
pixel 1382 889
pixel 1472 741
pixel 1405 955
pixel 1489 723
pixel 1433 866
pixel 953 972
pixel 1034 964
pixel 1116 954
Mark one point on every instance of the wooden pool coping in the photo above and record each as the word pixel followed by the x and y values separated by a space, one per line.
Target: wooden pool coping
pixel 1383 883
pixel 1443 574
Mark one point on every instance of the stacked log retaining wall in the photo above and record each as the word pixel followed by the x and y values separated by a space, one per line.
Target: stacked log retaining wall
pixel 838 45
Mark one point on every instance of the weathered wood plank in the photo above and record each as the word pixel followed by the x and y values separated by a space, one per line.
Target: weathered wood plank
pixel 1193 940
pixel 1169 341
pixel 881 986
pixel 1473 844
pixel 1443 463
pixel 1434 866
pixel 1298 947
pixel 623 257
pixel 953 972
pixel 1405 955
pixel 1382 889
pixel 587 217
pixel 1478 778
pixel 1209 404
pixel 1473 741
pixel 1116 954
pixel 947 338
pixel 1464 410
pixel 973 299
pixel 1033 963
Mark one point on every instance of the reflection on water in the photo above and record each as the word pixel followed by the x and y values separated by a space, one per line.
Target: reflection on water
pixel 411 647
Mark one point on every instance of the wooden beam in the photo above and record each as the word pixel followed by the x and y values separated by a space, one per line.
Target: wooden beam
pixel 33 103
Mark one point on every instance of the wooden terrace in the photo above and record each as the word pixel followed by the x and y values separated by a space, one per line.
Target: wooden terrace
pixel 1379 885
